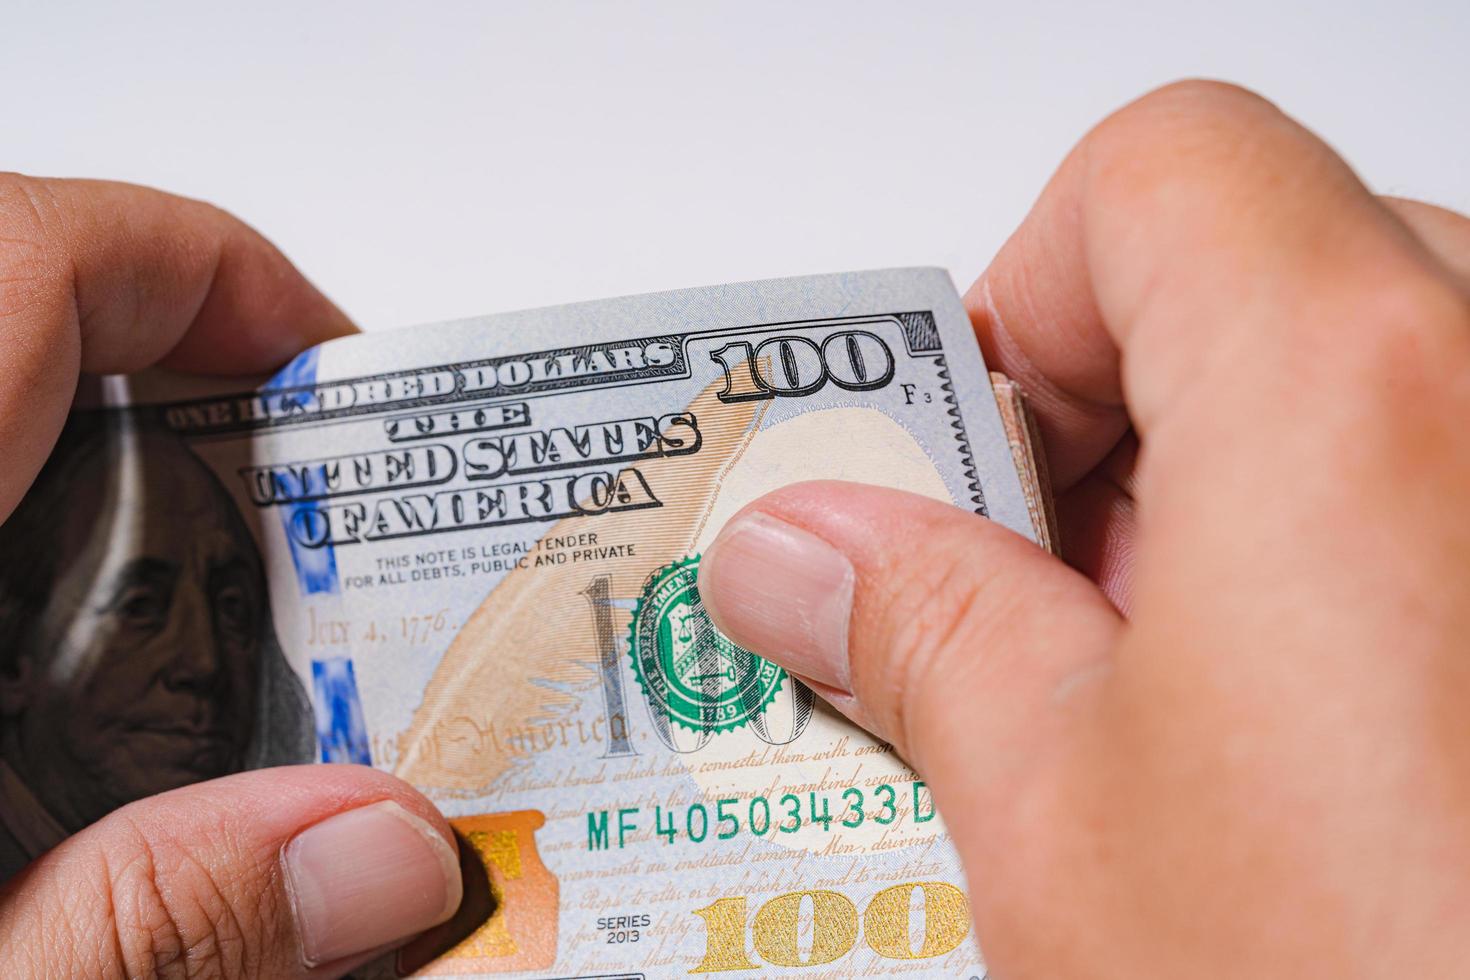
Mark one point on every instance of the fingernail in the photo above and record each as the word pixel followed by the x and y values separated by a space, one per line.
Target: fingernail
pixel 782 593
pixel 366 878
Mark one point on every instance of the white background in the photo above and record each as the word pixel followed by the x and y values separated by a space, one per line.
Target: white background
pixel 424 161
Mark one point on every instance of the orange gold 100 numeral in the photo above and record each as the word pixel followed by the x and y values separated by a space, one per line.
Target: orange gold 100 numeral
pixel 834 927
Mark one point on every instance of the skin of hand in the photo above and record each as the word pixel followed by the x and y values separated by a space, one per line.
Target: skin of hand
pixel 1230 740
pixel 303 871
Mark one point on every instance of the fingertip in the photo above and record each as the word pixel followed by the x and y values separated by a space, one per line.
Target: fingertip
pixel 939 605
pixel 301 870
pixel 260 311
pixel 366 877
pixel 783 592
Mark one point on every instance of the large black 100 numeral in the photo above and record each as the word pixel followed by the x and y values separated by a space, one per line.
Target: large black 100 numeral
pixel 792 366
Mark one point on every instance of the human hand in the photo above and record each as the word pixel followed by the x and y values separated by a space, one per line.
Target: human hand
pixel 1231 739
pixel 301 871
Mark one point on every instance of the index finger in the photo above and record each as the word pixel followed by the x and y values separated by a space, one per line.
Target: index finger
pixel 1296 363
pixel 110 278
pixel 1197 218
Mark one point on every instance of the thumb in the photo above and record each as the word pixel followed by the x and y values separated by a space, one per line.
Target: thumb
pixel 944 633
pixel 305 871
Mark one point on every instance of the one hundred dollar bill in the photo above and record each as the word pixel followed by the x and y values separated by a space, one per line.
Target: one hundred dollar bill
pixel 466 554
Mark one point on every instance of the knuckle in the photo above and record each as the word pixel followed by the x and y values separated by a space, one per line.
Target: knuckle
pixel 1190 132
pixel 1415 303
pixel 1413 353
pixel 1406 334
pixel 170 918
pixel 32 269
pixel 28 212
pixel 1212 111
pixel 1202 95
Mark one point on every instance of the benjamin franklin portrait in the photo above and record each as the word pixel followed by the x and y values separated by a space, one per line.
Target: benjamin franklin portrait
pixel 137 651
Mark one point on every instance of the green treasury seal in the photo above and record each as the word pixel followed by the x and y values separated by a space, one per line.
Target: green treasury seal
pixel 689 670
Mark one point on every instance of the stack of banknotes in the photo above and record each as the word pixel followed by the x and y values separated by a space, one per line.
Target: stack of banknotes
pixel 466 554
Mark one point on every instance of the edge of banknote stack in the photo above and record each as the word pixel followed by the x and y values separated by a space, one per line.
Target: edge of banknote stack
pixel 1025 441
